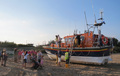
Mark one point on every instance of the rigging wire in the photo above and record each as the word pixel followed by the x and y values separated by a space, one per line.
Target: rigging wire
pixel 93 11
pixel 86 19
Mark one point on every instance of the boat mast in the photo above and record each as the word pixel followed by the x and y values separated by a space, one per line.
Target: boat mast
pixel 86 20
pixel 99 29
pixel 98 25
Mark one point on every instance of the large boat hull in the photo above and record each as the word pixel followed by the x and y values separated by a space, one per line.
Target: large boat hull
pixel 82 55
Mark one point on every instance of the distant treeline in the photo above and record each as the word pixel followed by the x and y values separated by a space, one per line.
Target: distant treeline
pixel 40 47
pixel 116 44
pixel 11 45
pixel 14 45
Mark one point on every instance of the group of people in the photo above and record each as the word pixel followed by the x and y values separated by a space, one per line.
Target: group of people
pixel 29 57
pixel 35 58
pixel 3 57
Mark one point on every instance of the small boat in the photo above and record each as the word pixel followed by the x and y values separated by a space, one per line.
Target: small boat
pixel 84 48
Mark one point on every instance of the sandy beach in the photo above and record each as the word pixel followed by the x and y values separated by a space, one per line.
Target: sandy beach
pixel 50 69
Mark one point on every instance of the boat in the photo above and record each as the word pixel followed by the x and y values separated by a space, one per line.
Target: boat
pixel 84 48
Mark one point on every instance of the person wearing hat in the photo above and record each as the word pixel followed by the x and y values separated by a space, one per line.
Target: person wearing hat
pixel 67 57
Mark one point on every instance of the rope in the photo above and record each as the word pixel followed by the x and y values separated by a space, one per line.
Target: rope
pixel 86 54
pixel 72 43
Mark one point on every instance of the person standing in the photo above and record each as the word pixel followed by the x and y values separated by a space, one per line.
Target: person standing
pixel 56 59
pixel 56 40
pixel 76 42
pixel 4 57
pixel 42 60
pixel 15 55
pixel 28 57
pixel 67 58
pixel 25 58
pixel 59 41
pixel 59 58
pixel 39 55
pixel 0 56
pixel 19 55
pixel 22 58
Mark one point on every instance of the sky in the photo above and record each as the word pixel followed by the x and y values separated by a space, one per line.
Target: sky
pixel 38 21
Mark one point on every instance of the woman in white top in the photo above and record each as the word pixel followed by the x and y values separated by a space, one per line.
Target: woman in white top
pixel 25 58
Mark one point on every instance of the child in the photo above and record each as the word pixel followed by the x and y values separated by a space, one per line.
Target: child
pixel 42 61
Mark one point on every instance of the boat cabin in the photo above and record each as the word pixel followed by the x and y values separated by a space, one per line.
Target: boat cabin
pixel 87 39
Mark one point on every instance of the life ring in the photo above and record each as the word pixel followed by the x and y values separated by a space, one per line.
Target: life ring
pixel 104 40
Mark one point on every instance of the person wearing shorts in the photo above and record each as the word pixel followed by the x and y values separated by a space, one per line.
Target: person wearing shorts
pixel 25 60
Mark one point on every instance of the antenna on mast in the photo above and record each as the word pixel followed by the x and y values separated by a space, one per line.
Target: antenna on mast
pixel 86 19
pixel 101 13
pixel 93 12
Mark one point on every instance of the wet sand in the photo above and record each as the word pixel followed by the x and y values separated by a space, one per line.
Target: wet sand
pixel 50 69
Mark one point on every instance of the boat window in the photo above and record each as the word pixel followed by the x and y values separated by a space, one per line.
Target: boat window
pixel 66 40
pixel 82 38
pixel 63 41
pixel 69 40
